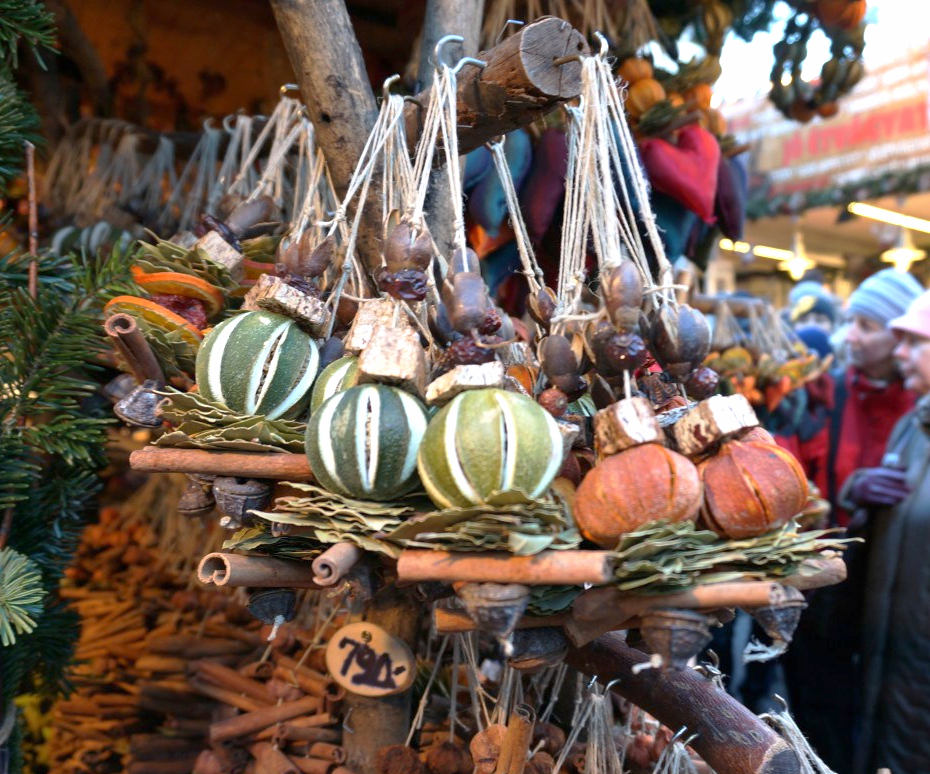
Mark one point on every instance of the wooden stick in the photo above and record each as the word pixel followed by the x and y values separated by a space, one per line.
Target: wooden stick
pixel 729 737
pixel 250 722
pixel 449 621
pixel 223 569
pixel 128 340
pixel 519 84
pixel 273 465
pixel 546 567
pixel 330 566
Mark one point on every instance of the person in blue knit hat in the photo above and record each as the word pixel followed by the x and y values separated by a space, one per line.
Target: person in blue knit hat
pixel 846 426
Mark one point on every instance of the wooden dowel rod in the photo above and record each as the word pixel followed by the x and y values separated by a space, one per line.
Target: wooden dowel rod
pixel 223 569
pixel 273 465
pixel 546 567
pixel 133 348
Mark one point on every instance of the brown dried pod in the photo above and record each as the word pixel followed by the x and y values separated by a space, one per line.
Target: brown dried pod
pixel 250 213
pixel 465 261
pixel 554 401
pixel 540 763
pixel 680 338
pixel 556 357
pixel 622 291
pixel 492 322
pixel 573 385
pixel 541 305
pixel 346 311
pixel 485 747
pixel 552 737
pixel 292 254
pixel 625 351
pixel 227 204
pixel 448 757
pixel 404 284
pixel 675 635
pixel 321 258
pixel 636 486
pixel 602 393
pixel 408 246
pixel 702 382
pixel 398 759
pixel 751 488
pixel 466 298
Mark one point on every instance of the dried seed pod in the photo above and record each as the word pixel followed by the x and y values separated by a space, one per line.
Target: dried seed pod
pixel 541 306
pixel 573 385
pixel 601 392
pixel 492 322
pixel 556 357
pixel 209 223
pixel 702 382
pixel 625 351
pixel 408 246
pixel 554 401
pixel 540 763
pixel 448 757
pixel 675 635
pixel 346 311
pixel 398 759
pixel 622 291
pixel 485 747
pixel 465 261
pixel 680 338
pixel 466 298
pixel 751 488
pixel 293 254
pixel 552 737
pixel 250 213
pixel 321 258
pixel 404 284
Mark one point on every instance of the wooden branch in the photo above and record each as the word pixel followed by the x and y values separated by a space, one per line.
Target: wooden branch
pixel 519 85
pixel 546 567
pixel 272 465
pixel 449 621
pixel 76 46
pixel 729 737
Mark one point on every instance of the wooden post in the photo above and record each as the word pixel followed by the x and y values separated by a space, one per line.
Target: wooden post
pixel 377 723
pixel 445 17
pixel 729 737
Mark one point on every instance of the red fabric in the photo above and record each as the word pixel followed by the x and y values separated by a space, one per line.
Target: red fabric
pixel 870 414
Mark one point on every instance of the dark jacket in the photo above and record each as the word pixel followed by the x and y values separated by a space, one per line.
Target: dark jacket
pixel 896 636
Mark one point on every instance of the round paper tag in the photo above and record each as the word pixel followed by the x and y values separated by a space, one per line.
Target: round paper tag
pixel 366 660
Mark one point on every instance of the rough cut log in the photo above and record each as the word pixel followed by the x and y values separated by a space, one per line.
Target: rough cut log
pixel 279 466
pixel 729 737
pixel 519 85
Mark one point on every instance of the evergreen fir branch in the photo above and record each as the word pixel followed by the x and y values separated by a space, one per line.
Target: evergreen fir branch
pixel 19 122
pixel 21 595
pixel 26 20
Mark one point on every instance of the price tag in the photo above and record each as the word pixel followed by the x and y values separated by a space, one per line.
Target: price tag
pixel 366 660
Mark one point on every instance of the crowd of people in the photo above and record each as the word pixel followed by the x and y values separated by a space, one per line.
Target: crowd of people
pixel 858 672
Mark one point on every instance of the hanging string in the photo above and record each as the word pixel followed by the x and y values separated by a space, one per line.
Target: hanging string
pixel 675 758
pixel 424 699
pixel 601 756
pixel 534 275
pixel 787 729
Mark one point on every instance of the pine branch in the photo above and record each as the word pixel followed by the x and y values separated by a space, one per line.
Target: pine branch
pixel 25 20
pixel 19 122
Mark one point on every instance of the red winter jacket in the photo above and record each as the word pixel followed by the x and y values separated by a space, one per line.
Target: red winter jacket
pixel 859 416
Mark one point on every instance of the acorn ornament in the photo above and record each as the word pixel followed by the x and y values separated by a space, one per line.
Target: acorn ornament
pixel 258 363
pixel 489 447
pixel 363 442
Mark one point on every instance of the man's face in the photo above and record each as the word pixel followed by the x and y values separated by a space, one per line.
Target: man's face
pixel 817 320
pixel 871 345
pixel 913 356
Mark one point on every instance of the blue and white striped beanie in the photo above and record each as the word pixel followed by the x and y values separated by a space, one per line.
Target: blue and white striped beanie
pixel 885 295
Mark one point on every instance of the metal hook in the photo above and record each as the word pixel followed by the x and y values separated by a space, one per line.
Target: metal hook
pixel 689 740
pixel 468 60
pixel 500 35
pixel 226 122
pixel 208 124
pixel 386 86
pixel 605 46
pixel 611 684
pixel 593 681
pixel 286 87
pixel 442 43
pixel 781 701
pixel 678 734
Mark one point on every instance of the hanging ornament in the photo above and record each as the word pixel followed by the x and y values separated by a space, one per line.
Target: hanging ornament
pixel 363 442
pixel 258 363
pixel 489 447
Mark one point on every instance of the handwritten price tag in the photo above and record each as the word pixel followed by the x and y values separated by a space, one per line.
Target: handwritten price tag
pixel 366 660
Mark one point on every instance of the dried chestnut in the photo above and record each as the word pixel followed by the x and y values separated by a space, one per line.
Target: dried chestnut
pixel 408 246
pixel 556 357
pixel 465 261
pixel 466 298
pixel 622 291
pixel 541 305
pixel 554 401
pixel 680 338
pixel 702 383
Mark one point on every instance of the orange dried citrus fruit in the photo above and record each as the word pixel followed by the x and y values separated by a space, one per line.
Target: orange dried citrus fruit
pixel 155 314
pixel 178 284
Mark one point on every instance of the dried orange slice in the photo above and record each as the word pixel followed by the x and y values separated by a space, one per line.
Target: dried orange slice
pixel 179 284
pixel 155 314
pixel 254 269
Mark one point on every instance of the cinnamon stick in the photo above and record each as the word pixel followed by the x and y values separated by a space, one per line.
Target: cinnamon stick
pixel 330 566
pixel 207 763
pixel 232 698
pixel 448 621
pixel 271 465
pixel 546 567
pixel 517 740
pixel 313 765
pixel 230 679
pixel 196 647
pixel 133 348
pixel 307 682
pixel 155 747
pixel 223 569
pixel 291 732
pixel 329 751
pixel 177 766
pixel 250 722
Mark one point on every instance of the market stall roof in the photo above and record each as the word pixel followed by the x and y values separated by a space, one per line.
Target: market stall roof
pixel 877 149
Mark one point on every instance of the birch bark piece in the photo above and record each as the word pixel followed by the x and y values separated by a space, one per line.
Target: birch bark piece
pixel 367 661
pixel 464 377
pixel 220 251
pixel 394 356
pixel 711 421
pixel 624 424
pixel 274 295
